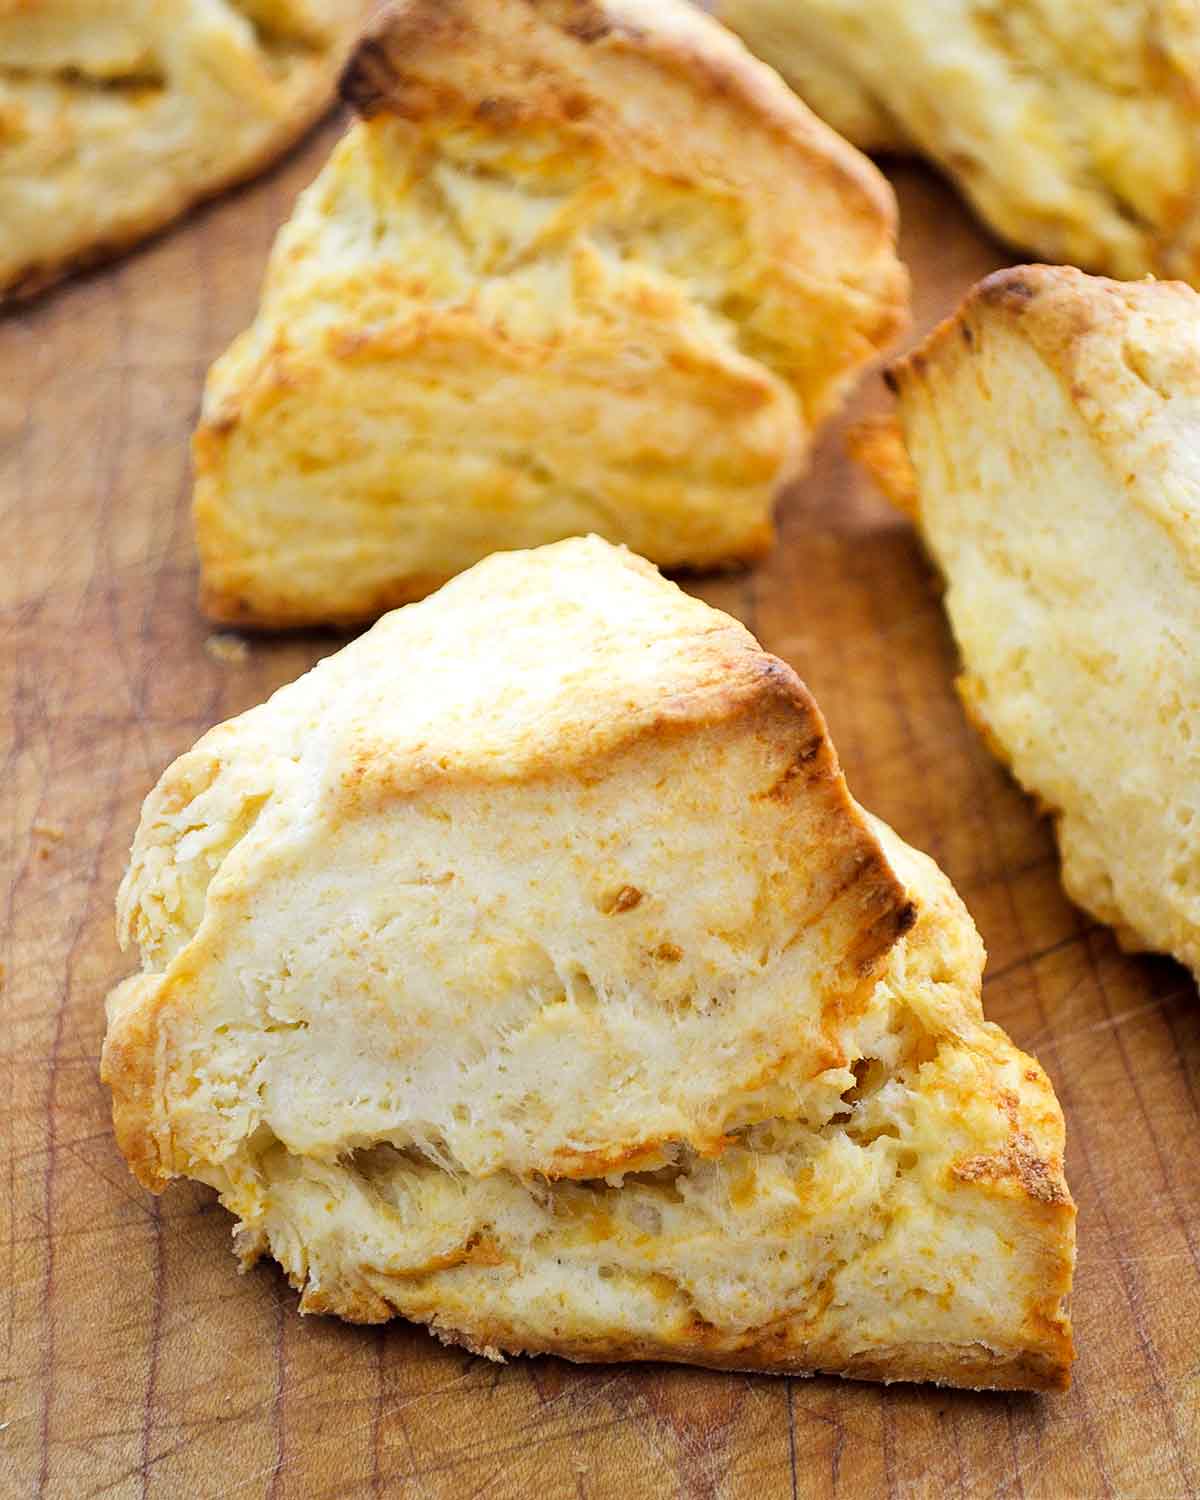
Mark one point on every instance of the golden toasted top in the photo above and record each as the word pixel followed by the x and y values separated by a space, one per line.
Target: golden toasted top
pixel 660 72
pixel 533 661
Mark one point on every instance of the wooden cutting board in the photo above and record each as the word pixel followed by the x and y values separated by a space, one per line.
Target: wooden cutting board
pixel 139 1363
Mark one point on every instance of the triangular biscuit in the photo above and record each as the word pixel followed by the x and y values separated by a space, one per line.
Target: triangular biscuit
pixel 582 266
pixel 527 969
pixel 1051 429
pixel 115 118
pixel 1073 130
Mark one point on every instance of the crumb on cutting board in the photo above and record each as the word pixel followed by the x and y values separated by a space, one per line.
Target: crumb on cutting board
pixel 231 649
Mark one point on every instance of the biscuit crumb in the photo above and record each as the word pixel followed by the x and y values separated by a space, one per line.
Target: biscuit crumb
pixel 231 649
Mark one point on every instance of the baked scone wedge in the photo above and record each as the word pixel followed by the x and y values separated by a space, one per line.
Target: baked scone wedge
pixel 526 969
pixel 1073 130
pixel 116 117
pixel 1050 435
pixel 579 267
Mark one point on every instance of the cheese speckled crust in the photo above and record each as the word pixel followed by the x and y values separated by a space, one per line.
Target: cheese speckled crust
pixel 526 969
pixel 116 118
pixel 1053 429
pixel 1074 130
pixel 580 267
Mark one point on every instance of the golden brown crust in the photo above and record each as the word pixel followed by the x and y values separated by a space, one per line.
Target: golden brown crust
pixel 973 1369
pixel 1118 350
pixel 265 608
pixel 379 76
pixel 228 607
pixel 1059 310
pixel 878 445
pixel 128 1067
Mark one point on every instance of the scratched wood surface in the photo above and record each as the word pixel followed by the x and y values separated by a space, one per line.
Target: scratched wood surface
pixel 138 1363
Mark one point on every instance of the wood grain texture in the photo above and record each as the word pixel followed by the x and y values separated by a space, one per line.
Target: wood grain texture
pixel 139 1364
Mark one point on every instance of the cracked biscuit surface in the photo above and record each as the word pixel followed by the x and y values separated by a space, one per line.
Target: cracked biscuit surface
pixel 1073 130
pixel 579 267
pixel 526 969
pixel 1051 458
pixel 116 118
